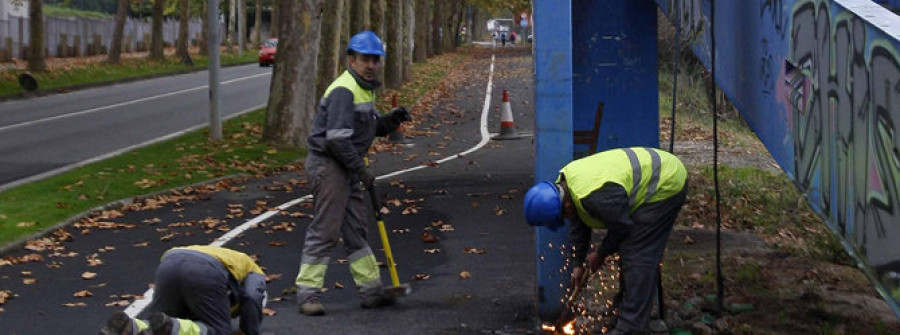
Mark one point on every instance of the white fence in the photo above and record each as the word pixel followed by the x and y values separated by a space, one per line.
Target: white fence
pixel 84 36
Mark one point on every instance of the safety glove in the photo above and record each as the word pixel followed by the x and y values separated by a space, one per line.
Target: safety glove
pixel 400 114
pixel 366 177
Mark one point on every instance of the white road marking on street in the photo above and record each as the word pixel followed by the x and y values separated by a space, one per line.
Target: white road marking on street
pixel 138 305
pixel 62 169
pixel 102 108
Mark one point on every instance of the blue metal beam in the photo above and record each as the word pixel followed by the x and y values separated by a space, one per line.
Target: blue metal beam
pixel 819 83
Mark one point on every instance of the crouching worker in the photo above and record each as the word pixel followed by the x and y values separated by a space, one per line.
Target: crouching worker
pixel 636 194
pixel 199 289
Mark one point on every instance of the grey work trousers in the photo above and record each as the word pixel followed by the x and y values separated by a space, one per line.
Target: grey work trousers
pixel 342 211
pixel 641 253
pixel 192 285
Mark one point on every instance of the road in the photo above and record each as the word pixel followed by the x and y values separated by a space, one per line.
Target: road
pixel 41 135
pixel 470 202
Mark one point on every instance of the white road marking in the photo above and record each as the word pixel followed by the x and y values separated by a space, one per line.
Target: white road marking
pixel 126 103
pixel 138 305
pixel 62 169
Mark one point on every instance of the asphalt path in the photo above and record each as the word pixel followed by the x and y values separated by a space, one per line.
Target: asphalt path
pixel 51 133
pixel 475 198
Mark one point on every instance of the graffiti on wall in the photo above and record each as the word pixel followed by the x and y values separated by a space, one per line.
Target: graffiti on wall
pixel 689 13
pixel 843 92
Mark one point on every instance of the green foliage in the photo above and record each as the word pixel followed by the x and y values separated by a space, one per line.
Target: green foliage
pixel 59 11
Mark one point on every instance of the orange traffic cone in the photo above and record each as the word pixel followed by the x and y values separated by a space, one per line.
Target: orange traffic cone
pixel 397 135
pixel 507 126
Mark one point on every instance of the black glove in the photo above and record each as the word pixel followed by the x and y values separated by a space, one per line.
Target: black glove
pixel 400 114
pixel 366 177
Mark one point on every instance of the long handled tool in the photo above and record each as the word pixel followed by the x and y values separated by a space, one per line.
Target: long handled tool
pixel 396 289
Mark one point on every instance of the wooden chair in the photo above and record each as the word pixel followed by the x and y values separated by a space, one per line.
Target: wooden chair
pixel 589 137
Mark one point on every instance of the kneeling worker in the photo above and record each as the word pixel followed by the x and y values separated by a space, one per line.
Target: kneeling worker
pixel 199 289
pixel 636 194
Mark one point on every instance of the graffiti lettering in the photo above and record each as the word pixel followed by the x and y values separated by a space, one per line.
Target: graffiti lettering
pixel 689 14
pixel 844 96
pixel 775 10
pixel 765 70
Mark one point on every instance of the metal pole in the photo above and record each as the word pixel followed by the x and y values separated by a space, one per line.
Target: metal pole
pixel 215 119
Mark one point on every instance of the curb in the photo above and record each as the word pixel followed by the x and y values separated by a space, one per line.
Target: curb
pixel 67 89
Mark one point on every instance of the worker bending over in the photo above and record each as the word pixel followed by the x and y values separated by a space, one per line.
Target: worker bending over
pixel 198 290
pixel 636 194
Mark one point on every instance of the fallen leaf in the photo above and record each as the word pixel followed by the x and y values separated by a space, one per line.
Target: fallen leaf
pixel 74 304
pixel 83 294
pixel 465 275
pixel 421 276
pixel 437 223
pixel 432 251
pixel 26 224
pixel 87 275
pixel 118 303
pixel 141 244
pixel 26 273
pixel 272 276
pixel 471 250
pixel 499 211
pixel 385 211
pixel 29 281
pixel 428 238
pixel 338 285
pixel 342 261
pixel 277 243
pixel 688 240
pixel 269 311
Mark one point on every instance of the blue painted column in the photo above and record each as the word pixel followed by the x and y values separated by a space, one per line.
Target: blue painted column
pixel 586 52
pixel 615 46
pixel 553 137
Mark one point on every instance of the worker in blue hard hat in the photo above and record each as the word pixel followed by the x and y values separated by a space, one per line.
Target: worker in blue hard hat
pixel 636 194
pixel 346 123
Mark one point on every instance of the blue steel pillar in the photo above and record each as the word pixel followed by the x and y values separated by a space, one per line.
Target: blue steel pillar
pixel 553 136
pixel 587 52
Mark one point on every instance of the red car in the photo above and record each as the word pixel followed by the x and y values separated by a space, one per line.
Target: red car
pixel 267 52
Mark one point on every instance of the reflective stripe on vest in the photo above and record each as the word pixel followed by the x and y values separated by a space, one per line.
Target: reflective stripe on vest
pixel 637 174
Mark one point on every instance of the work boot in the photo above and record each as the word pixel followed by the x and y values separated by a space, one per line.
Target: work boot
pixel 312 307
pixel 119 323
pixel 161 324
pixel 377 300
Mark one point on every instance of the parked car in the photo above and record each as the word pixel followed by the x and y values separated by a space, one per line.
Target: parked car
pixel 267 52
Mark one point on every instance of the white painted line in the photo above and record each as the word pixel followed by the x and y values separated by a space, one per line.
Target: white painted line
pixel 62 169
pixel 138 306
pixel 94 110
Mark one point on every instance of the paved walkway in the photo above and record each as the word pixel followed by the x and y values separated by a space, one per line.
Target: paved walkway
pixel 477 197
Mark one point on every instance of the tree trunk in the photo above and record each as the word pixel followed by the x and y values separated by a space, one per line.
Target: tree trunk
pixel 116 48
pixel 477 24
pixel 436 31
pixel 420 51
pixel 204 30
pixel 181 47
pixel 242 28
pixel 408 25
pixel 429 31
pixel 273 20
pixel 329 45
pixel 156 41
pixel 345 28
pixel 36 56
pixel 292 99
pixel 450 25
pixel 359 16
pixel 376 25
pixel 257 22
pixel 393 65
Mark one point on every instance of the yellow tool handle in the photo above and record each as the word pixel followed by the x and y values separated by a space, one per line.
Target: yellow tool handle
pixel 395 280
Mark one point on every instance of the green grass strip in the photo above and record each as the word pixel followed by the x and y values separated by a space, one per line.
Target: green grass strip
pixel 96 73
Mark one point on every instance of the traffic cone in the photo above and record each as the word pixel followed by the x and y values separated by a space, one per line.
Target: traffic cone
pixel 507 126
pixel 397 136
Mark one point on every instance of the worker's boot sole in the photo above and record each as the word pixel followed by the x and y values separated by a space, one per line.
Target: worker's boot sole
pixel 312 308
pixel 377 300
pixel 118 323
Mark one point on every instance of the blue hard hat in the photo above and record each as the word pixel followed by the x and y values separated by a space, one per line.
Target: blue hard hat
pixel 366 43
pixel 543 205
